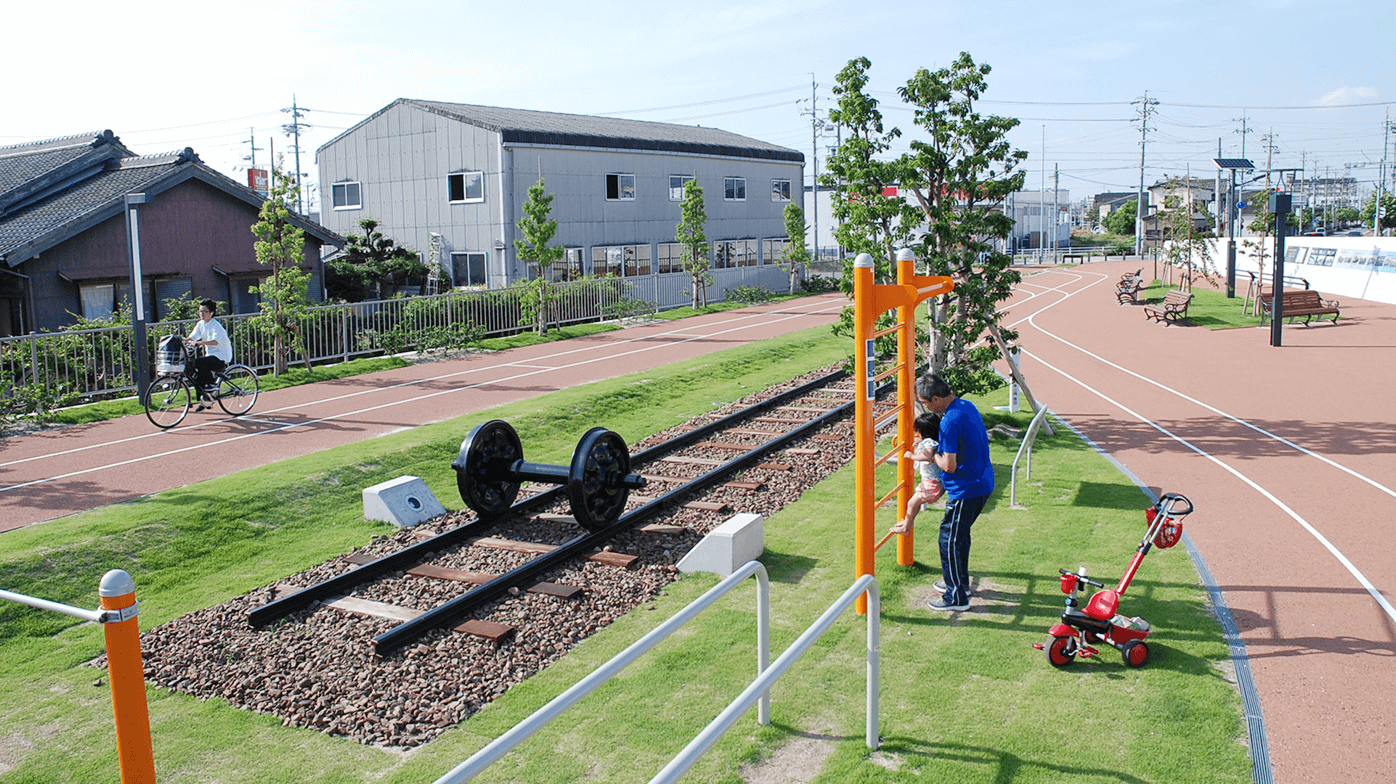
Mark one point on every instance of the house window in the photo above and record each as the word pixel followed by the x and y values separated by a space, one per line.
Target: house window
pixel 734 189
pixel 347 196
pixel 246 295
pixel 672 256
pixel 676 182
pixel 736 253
pixel 773 251
pixel 621 260
pixel 171 289
pixel 780 190
pixel 620 187
pixel 570 266
pixel 467 187
pixel 100 300
pixel 468 269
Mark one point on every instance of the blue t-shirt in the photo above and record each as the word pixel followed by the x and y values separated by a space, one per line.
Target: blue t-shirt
pixel 962 433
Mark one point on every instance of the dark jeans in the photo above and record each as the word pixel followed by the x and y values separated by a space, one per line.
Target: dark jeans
pixel 204 368
pixel 960 514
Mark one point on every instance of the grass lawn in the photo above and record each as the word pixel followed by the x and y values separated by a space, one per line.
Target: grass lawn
pixel 965 698
pixel 1208 308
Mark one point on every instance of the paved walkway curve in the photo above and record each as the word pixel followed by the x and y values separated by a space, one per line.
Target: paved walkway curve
pixel 59 472
pixel 1289 454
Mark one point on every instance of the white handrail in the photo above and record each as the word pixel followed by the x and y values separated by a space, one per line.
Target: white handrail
pixel 1025 446
pixel 96 616
pixel 762 685
pixel 543 716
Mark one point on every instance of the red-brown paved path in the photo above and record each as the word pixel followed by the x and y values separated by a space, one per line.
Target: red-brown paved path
pixel 59 472
pixel 1300 543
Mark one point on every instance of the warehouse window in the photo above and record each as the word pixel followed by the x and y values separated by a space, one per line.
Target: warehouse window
pixel 676 183
pixel 347 196
pixel 620 187
pixel 467 187
pixel 734 189
pixel 780 190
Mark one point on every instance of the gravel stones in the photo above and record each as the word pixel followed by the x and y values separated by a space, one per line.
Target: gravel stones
pixel 317 667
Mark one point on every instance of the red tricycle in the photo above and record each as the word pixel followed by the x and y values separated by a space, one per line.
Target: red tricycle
pixel 1101 622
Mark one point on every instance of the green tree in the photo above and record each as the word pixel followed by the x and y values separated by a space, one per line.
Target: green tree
pixel 1346 215
pixel 1388 211
pixel 796 254
pixel 284 294
pixel 692 234
pixel 538 230
pixel 1186 248
pixel 372 265
pixel 873 219
pixel 960 174
pixel 1121 219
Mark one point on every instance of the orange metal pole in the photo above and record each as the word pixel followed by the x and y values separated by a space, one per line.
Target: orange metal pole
pixel 865 447
pixel 906 434
pixel 127 675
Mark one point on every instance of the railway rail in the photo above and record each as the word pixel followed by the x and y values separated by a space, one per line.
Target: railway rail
pixel 393 622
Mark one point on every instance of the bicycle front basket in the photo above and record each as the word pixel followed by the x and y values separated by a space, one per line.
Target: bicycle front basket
pixel 170 356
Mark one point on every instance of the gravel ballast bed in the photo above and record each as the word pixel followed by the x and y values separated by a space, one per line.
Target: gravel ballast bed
pixel 317 668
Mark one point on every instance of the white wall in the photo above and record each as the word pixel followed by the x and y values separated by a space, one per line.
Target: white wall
pixel 1361 267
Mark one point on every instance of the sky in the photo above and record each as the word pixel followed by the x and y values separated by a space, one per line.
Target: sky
pixel 1311 83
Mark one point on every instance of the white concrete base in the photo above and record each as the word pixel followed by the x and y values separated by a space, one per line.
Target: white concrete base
pixel 730 545
pixel 404 501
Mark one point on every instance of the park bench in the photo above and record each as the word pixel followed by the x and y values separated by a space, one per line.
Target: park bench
pixel 1173 307
pixel 1131 283
pixel 1301 302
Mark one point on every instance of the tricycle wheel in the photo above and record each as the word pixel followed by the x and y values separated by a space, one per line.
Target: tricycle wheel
pixel 1061 651
pixel 1136 652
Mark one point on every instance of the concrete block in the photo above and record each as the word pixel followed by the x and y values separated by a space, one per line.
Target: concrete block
pixel 742 538
pixel 404 501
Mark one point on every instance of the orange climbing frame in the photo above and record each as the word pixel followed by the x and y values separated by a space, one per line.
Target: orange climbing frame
pixel 871 300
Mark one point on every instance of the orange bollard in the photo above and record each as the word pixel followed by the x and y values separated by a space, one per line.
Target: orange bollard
pixel 126 672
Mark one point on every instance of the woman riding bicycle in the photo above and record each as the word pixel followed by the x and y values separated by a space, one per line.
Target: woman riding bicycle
pixel 218 350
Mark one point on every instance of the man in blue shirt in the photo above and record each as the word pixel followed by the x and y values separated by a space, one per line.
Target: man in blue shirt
pixel 968 476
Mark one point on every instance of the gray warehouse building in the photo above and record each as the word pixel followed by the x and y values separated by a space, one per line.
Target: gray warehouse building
pixel 462 173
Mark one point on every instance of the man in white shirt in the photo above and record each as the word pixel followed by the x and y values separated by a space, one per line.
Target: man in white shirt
pixel 218 350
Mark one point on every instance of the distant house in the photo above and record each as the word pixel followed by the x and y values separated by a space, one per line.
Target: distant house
pixel 460 174
pixel 1106 203
pixel 63 233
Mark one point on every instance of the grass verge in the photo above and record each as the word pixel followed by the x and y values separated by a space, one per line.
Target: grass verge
pixel 1209 308
pixel 964 697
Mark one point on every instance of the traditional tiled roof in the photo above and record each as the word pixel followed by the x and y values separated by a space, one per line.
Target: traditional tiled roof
pixel 29 170
pixel 39 224
pixel 523 126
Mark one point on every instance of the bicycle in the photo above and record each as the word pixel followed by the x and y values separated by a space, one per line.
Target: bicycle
pixel 169 396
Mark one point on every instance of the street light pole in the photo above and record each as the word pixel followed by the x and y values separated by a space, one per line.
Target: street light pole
pixel 133 255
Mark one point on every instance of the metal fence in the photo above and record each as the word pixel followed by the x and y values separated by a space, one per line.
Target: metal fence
pixel 78 365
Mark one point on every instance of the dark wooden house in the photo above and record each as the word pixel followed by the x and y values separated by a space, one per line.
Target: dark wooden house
pixel 63 233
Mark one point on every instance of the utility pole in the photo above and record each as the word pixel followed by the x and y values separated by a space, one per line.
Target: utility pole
pixel 1146 106
pixel 1042 199
pixel 1056 217
pixel 252 158
pixel 815 125
pixel 293 129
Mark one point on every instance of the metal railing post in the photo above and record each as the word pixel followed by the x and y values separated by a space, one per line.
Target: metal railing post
pixel 540 718
pixel 127 676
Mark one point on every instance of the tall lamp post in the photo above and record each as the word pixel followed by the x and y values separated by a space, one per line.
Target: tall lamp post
pixel 1279 207
pixel 133 254
pixel 1232 165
